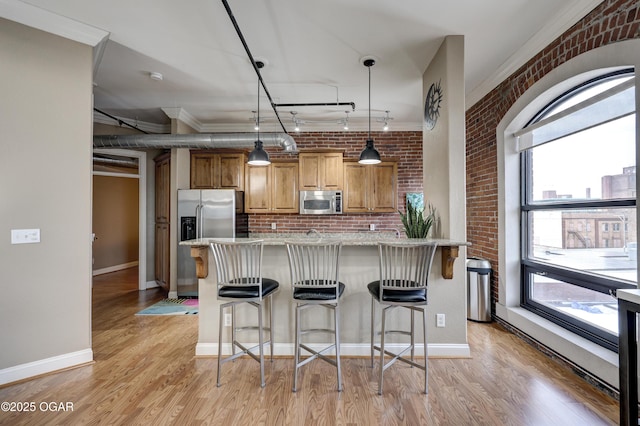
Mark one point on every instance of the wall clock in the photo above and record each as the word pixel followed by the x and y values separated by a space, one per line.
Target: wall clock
pixel 432 105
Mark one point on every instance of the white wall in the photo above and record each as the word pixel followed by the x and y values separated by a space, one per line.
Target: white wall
pixel 444 168
pixel 45 183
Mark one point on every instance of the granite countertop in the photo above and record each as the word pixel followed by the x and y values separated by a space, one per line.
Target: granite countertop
pixel 348 239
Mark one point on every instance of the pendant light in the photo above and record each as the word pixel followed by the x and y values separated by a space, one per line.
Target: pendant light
pixel 258 157
pixel 369 155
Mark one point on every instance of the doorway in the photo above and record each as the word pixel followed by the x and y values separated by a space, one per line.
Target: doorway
pixel 123 172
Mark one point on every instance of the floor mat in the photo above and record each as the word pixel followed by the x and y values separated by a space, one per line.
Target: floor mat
pixel 172 307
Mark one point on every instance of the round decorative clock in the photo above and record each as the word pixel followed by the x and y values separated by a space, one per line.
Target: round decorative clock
pixel 432 105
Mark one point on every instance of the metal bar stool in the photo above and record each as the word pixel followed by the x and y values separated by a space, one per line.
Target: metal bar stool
pixel 314 278
pixel 404 278
pixel 239 271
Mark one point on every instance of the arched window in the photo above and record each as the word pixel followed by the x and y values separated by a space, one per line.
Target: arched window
pixel 578 206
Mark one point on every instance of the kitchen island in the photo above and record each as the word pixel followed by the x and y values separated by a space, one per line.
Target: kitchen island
pixel 358 267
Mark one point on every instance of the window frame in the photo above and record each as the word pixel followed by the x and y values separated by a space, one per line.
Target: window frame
pixel 530 267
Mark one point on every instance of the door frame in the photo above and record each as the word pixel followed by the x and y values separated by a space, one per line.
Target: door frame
pixel 142 204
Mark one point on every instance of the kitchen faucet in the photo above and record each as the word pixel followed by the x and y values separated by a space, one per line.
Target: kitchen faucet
pixel 313 231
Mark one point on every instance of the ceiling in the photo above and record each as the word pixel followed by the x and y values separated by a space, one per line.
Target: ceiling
pixel 313 52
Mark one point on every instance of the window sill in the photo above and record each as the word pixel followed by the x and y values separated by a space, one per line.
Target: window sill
pixel 597 361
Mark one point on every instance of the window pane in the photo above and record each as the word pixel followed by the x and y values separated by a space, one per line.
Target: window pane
pixel 585 94
pixel 598 163
pixel 598 309
pixel 597 241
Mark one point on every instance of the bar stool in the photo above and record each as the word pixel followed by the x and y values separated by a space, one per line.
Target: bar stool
pixel 404 278
pixel 314 278
pixel 239 271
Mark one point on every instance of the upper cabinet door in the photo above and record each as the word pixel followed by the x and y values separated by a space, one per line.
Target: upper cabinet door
pixel 272 188
pixel 384 191
pixel 215 170
pixel 354 195
pixel 320 170
pixel 309 175
pixel 284 190
pixel 332 171
pixel 202 166
pixel 370 188
pixel 231 168
pixel 257 195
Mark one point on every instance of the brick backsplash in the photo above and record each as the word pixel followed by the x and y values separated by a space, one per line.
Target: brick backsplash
pixel 612 21
pixel 405 147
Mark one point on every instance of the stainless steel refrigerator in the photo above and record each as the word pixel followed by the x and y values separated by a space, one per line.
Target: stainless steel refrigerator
pixel 206 213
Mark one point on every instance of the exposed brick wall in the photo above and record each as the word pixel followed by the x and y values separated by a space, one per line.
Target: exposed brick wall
pixel 610 22
pixel 406 147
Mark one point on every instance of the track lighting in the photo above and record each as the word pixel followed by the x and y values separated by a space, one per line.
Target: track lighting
pixel 256 121
pixel 345 121
pixel 296 122
pixel 386 119
pixel 369 154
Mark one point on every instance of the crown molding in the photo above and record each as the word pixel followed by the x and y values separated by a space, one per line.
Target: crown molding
pixel 50 22
pixel 142 125
pixel 561 22
pixel 181 114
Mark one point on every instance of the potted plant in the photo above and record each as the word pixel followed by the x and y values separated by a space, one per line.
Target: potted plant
pixel 415 223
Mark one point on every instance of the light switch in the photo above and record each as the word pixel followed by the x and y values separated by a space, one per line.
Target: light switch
pixel 25 236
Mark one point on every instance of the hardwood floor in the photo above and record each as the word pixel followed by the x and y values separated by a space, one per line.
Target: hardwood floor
pixel 145 372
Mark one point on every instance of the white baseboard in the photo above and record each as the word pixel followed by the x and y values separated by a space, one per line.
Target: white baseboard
pixel 151 284
pixel 43 366
pixel 436 350
pixel 115 268
pixel 172 295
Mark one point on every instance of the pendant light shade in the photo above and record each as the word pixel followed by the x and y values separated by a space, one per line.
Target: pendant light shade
pixel 258 157
pixel 369 154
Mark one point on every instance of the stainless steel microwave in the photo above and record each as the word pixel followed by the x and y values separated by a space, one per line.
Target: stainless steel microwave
pixel 320 202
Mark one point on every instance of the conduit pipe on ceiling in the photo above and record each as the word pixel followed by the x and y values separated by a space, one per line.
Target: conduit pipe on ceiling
pixel 196 140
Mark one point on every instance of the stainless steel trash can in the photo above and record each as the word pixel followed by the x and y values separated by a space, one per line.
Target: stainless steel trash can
pixel 478 290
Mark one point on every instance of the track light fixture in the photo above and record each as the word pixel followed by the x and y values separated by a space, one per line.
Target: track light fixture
pixel 258 157
pixel 386 119
pixel 369 154
pixel 296 122
pixel 256 122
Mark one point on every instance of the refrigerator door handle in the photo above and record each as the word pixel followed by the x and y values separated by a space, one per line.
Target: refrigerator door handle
pixel 198 224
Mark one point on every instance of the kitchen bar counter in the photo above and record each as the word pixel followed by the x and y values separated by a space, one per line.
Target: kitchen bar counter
pixel 449 248
pixel 358 266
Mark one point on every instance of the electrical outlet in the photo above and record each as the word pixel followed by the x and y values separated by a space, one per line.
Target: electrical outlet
pixel 440 320
pixel 372 227
pixel 227 320
pixel 273 225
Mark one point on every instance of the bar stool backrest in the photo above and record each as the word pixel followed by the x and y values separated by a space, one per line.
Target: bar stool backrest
pixel 405 266
pixel 314 265
pixel 238 263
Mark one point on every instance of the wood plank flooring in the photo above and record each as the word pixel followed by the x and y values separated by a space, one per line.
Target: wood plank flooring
pixel 145 372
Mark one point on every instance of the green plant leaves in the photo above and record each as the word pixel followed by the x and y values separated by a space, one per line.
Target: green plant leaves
pixel 416 225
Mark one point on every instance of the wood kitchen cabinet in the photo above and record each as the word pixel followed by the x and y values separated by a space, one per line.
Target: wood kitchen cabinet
pixel 272 188
pixel 162 207
pixel 370 188
pixel 217 170
pixel 162 255
pixel 320 170
pixel 162 190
